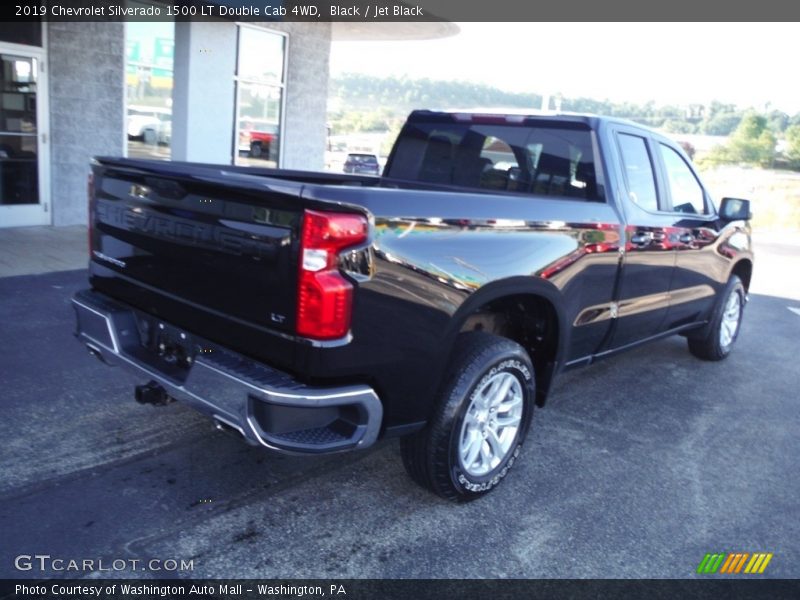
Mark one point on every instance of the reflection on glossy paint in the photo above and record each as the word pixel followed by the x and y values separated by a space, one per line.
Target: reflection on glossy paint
pixel 595 238
pixel 474 252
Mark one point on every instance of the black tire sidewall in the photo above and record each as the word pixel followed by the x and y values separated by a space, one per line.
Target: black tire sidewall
pixel 520 367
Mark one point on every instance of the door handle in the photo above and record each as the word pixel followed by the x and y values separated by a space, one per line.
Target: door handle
pixel 686 238
pixel 642 238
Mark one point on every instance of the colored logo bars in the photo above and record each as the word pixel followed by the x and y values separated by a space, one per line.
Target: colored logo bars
pixel 734 563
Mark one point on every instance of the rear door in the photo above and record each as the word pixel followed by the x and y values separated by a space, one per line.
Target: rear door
pixel 649 260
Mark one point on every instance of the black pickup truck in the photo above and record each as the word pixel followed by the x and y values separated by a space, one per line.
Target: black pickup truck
pixel 314 312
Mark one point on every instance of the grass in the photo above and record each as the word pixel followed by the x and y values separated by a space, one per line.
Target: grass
pixel 775 195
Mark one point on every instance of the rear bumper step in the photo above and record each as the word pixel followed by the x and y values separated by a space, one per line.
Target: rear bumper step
pixel 266 406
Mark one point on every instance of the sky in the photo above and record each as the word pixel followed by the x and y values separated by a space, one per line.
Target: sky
pixel 747 64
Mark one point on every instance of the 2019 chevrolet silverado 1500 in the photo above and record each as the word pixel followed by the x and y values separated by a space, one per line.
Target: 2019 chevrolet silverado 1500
pixel 314 312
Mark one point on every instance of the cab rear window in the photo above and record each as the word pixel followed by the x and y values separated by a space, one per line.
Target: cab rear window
pixel 545 159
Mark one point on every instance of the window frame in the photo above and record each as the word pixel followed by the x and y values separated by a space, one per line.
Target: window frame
pixel 282 85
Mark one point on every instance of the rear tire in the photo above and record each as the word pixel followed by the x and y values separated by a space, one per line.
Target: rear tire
pixel 482 415
pixel 256 150
pixel 726 321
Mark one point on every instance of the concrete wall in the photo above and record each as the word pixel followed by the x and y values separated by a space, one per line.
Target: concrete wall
pixel 203 92
pixel 86 70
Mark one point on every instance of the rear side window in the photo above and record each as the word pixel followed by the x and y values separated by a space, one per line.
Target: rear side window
pixel 686 192
pixel 638 171
pixel 547 159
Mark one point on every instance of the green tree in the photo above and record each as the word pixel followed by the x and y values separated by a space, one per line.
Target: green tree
pixel 752 143
pixel 793 143
pixel 677 126
pixel 778 121
pixel 721 123
pixel 394 130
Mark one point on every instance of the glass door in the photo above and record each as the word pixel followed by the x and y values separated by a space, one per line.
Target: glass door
pixel 23 198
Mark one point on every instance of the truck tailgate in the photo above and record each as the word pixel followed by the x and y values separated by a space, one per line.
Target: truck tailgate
pixel 228 249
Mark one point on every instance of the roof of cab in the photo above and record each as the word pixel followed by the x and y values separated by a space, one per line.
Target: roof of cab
pixel 518 116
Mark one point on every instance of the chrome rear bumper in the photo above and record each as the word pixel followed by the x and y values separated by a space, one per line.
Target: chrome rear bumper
pixel 265 405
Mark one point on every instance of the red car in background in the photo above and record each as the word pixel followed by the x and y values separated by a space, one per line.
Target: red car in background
pixel 258 143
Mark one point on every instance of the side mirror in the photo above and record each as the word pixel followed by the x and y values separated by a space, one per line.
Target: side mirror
pixel 735 209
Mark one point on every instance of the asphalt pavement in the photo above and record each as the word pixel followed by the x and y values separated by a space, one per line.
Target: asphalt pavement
pixel 637 467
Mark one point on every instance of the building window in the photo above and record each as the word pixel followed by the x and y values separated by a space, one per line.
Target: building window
pixel 149 50
pixel 19 147
pixel 28 33
pixel 260 88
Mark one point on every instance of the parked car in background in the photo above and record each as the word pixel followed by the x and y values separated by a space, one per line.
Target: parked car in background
pixel 165 132
pixel 362 164
pixel 258 139
pixel 150 125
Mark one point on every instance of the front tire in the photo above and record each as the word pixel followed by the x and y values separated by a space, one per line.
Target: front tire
pixel 726 320
pixel 483 414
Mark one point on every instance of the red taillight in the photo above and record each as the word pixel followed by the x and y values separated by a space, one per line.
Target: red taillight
pixel 325 297
pixel 90 210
